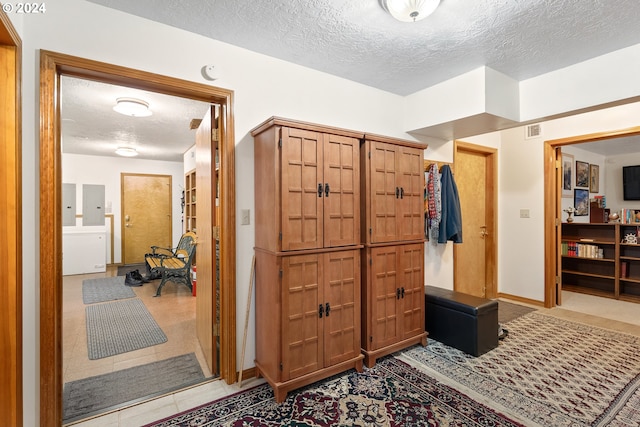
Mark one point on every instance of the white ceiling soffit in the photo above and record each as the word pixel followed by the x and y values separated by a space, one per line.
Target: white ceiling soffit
pixel 359 41
pixel 91 127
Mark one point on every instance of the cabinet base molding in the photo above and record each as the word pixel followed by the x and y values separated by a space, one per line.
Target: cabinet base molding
pixel 280 389
pixel 371 356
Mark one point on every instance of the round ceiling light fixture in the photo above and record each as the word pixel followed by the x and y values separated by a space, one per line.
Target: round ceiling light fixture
pixel 410 10
pixel 126 151
pixel 132 107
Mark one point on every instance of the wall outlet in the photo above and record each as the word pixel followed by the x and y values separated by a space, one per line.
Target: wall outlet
pixel 524 213
pixel 245 217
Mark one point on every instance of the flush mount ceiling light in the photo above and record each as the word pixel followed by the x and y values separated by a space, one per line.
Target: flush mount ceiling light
pixel 409 10
pixel 126 151
pixel 132 107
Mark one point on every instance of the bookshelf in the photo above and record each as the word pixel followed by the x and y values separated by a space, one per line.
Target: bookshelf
pixel 595 260
pixel 190 201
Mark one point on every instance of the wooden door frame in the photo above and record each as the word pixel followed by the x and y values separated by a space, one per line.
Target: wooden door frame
pixel 553 204
pixel 52 66
pixel 11 403
pixel 122 209
pixel 491 195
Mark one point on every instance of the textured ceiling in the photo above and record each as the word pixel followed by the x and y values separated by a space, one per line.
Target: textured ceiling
pixel 90 126
pixel 356 40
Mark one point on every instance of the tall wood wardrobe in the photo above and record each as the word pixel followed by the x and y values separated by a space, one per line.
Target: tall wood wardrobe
pixel 324 264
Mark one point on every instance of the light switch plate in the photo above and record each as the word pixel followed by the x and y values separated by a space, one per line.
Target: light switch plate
pixel 245 217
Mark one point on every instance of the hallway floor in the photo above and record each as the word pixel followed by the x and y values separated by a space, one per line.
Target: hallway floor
pixel 602 312
pixel 174 312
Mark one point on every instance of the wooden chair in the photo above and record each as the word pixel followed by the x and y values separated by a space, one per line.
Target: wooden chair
pixel 172 264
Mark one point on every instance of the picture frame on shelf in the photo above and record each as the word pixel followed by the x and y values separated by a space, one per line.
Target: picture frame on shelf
pixel 567 175
pixel 582 174
pixel 594 178
pixel 581 202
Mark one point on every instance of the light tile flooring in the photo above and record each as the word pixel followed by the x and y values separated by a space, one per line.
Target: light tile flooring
pixel 601 312
pixel 174 312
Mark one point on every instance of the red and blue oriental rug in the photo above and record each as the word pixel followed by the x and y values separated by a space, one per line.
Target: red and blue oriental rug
pixel 392 393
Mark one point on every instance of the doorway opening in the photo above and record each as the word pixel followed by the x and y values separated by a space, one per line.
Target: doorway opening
pixel 52 67
pixel 553 184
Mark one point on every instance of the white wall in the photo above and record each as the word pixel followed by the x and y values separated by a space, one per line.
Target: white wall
pixel 264 87
pixel 521 185
pixel 79 169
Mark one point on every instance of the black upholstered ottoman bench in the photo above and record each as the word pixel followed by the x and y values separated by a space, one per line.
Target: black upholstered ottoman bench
pixel 462 321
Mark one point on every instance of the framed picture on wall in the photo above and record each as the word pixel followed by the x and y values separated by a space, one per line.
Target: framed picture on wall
pixel 582 174
pixel 567 175
pixel 581 202
pixel 594 178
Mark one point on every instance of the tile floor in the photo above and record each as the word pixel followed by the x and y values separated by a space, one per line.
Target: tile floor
pixel 601 312
pixel 174 312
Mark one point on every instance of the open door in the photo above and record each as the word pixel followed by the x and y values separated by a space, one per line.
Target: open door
pixel 208 279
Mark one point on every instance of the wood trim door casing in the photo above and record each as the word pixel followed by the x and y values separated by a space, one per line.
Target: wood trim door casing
pixel 553 204
pixel 52 66
pixel 11 401
pixel 491 195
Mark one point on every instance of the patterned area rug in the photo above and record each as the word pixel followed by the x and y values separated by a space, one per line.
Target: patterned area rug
pixel 120 326
pixel 548 371
pixel 105 289
pixel 390 394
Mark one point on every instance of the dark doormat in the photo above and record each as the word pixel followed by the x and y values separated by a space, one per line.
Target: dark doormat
pixel 124 269
pixel 508 311
pixel 91 396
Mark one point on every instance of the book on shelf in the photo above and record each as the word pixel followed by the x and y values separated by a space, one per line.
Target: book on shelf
pixel 624 269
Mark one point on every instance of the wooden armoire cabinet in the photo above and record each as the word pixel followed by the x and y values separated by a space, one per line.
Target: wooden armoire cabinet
pixel 307 202
pixel 392 206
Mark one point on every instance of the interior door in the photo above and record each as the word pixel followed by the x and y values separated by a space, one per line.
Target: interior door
pixel 208 235
pixel 146 215
pixel 474 259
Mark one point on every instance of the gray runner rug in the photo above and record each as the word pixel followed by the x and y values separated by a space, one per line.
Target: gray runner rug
pixel 105 289
pixel 120 326
pixel 90 396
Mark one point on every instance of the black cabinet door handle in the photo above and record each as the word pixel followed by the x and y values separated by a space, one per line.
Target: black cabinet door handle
pixel 320 308
pixel 319 189
pixel 401 193
pixel 397 293
pixel 402 292
pixel 326 189
pixel 327 309
pixel 397 192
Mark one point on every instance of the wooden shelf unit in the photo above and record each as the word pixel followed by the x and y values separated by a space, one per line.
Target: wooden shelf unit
pixel 190 201
pixel 610 270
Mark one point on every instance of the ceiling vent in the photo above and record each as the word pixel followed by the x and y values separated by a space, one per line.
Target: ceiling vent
pixel 533 131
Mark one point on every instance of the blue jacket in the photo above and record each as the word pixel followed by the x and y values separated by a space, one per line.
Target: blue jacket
pixel 451 218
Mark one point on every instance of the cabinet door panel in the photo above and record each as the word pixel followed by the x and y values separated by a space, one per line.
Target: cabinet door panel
pixel 301 296
pixel 411 182
pixel 384 297
pixel 342 294
pixel 342 195
pixel 301 175
pixel 384 185
pixel 412 281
